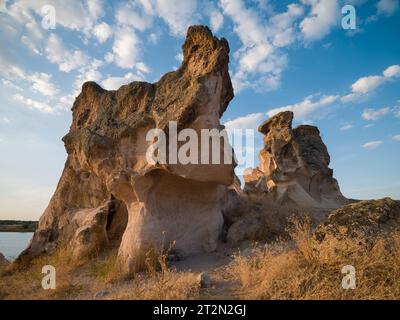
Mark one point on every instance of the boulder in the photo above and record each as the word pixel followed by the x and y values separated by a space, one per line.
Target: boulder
pixel 294 166
pixel 110 194
pixel 363 220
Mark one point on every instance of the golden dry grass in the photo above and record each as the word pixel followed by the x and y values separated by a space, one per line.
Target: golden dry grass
pixel 312 270
pixel 25 282
pixel 301 268
pixel 102 273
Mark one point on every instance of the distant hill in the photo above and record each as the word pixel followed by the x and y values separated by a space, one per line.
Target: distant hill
pixel 18 226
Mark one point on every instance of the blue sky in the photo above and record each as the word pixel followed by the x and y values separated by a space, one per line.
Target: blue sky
pixel 285 55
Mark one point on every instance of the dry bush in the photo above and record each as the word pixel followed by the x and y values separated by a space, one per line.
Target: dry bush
pixel 307 269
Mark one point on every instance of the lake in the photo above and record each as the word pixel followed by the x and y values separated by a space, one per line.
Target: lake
pixel 13 243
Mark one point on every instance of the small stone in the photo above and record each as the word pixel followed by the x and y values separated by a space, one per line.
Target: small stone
pixel 246 252
pixel 101 294
pixel 204 280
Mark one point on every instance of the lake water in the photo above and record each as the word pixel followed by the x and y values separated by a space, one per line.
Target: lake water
pixel 13 243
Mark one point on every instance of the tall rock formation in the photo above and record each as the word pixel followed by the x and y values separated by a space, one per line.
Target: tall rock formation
pixel 109 194
pixel 294 166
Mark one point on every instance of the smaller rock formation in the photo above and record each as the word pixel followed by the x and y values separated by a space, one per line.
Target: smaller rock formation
pixel 364 220
pixel 293 166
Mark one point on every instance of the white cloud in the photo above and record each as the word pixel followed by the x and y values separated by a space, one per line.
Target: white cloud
pixel 249 121
pixel 372 144
pixel 153 38
pixel 369 125
pixel 11 85
pixel 76 15
pixel 396 111
pixel 365 85
pixel 260 62
pixel 126 48
pixel 88 72
pixel 323 16
pixel 41 82
pixel 375 114
pixel 27 41
pixel 387 7
pixel 308 108
pixel 109 57
pixel 4 120
pixel 138 16
pixel 66 101
pixel 102 32
pixel 33 104
pixel 113 83
pixel 392 71
pixel 179 15
pixel 142 67
pixel 65 59
pixel 396 137
pixel 215 16
pixel 352 97
pixel 346 127
pixel 3 7
pixel 179 57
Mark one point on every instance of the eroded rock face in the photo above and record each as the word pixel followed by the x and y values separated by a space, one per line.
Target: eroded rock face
pixel 362 220
pixel 294 166
pixel 109 194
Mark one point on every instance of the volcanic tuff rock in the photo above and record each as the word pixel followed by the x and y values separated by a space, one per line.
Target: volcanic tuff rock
pixel 362 220
pixel 294 166
pixel 109 193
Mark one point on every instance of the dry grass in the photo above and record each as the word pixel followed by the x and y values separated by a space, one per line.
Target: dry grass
pixel 102 273
pixel 164 285
pixel 25 283
pixel 311 270
pixel 301 268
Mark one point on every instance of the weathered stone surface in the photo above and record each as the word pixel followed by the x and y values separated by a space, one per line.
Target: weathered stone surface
pixel 362 220
pixel 251 226
pixel 204 280
pixel 110 194
pixel 294 166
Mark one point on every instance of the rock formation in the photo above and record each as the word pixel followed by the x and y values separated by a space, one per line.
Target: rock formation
pixel 362 220
pixel 294 166
pixel 110 195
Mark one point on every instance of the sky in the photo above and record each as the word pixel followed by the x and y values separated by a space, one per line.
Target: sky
pixel 285 55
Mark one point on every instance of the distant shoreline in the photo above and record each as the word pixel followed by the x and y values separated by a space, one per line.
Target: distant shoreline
pixel 18 226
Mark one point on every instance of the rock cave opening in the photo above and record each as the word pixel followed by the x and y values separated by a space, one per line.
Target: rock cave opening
pixel 117 221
